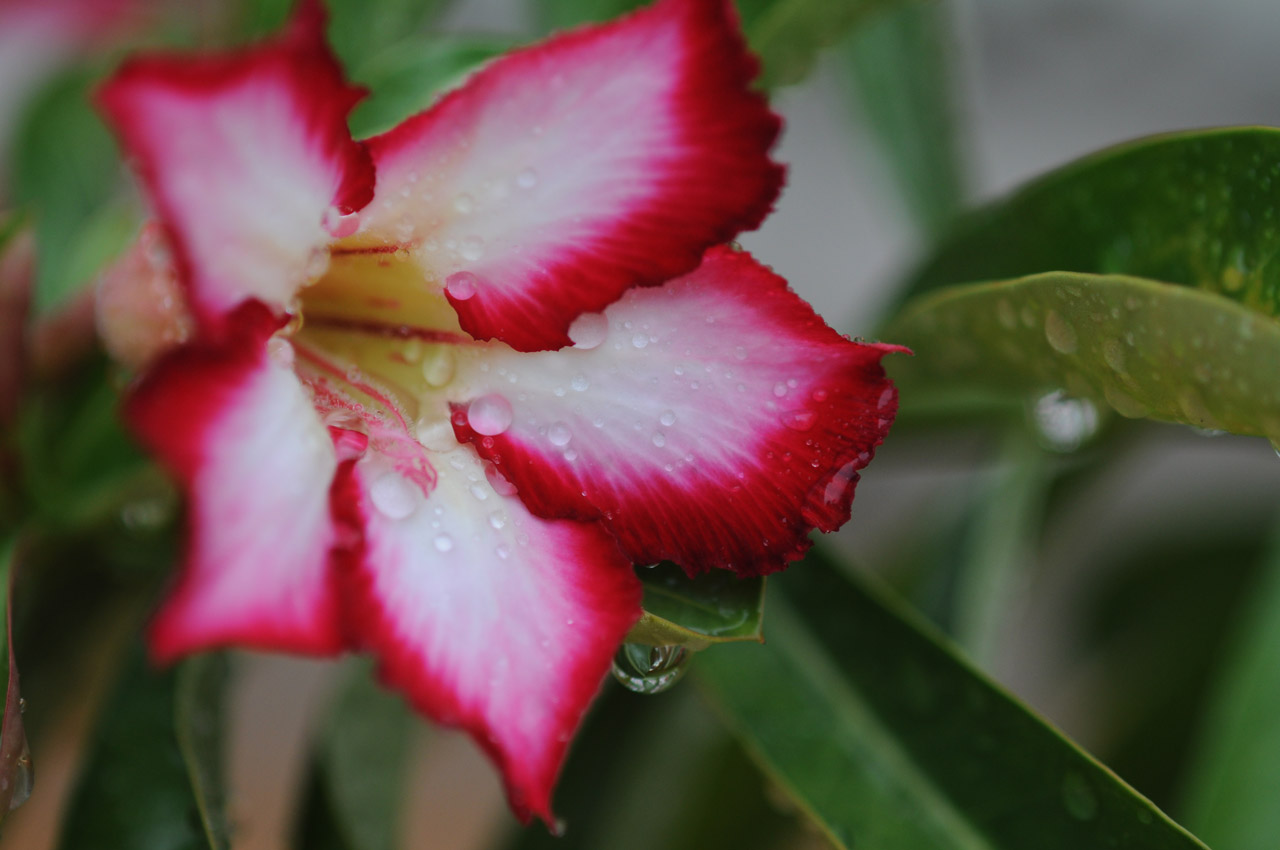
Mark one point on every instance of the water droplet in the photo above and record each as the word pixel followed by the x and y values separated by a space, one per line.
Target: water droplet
pixel 1006 314
pixel 1113 353
pixel 499 482
pixel 1078 797
pixel 393 496
pixel 439 366
pixel 668 418
pixel 649 669
pixel 640 340
pixel 659 439
pixel 436 434
pixel 780 389
pixel 1062 422
pixel 497 519
pixel 527 179
pixel 589 330
pixel 490 415
pixel 472 248
pixel 799 420
pixel 1059 333
pixel 464 204
pixel 580 383
pixel 559 434
pixel 340 226
pixel 461 286
pixel 443 542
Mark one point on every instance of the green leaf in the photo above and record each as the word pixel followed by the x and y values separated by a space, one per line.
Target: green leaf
pixel 361 761
pixel 405 78
pixel 1230 795
pixel 16 776
pixel 715 607
pixel 1146 348
pixel 889 740
pixel 65 171
pixel 903 68
pixel 1197 209
pixel 154 778
pixel 359 33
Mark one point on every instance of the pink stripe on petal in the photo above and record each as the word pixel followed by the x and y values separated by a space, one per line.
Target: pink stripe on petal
pixel 713 422
pixel 246 155
pixel 564 174
pixel 240 435
pixel 486 617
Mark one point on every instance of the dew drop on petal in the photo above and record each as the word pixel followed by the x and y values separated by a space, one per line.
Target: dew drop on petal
pixel 461 286
pixel 649 669
pixel 490 415
pixel 338 225
pixel 559 434
pixel 497 519
pixel 443 542
pixel 640 340
pixel 393 496
pixel 779 389
pixel 659 439
pixel 668 418
pixel 799 420
pixel 580 383
pixel 499 482
pixel 589 330
pixel 439 366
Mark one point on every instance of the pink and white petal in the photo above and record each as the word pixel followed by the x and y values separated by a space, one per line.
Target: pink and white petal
pixel 247 157
pixel 713 422
pixel 485 616
pixel 238 432
pixel 564 174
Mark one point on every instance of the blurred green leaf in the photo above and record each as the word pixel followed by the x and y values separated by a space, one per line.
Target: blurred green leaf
pixel 64 172
pixel 715 607
pixel 1146 348
pixel 1230 794
pixel 1197 209
pixel 405 78
pixel 903 68
pixel 359 32
pixel 153 780
pixel 889 740
pixel 361 760
pixel 16 775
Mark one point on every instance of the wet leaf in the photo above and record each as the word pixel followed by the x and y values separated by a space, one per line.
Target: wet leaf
pixel 716 607
pixel 153 780
pixel 888 739
pixel 902 67
pixel 16 774
pixel 1197 209
pixel 361 759
pixel 1230 794
pixel 1146 348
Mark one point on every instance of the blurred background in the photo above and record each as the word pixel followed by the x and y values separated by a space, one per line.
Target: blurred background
pixel 1136 544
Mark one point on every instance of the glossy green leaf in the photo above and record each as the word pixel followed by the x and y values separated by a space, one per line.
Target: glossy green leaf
pixel 361 761
pixel 903 67
pixel 64 173
pixel 1145 348
pixel 16 774
pixel 889 740
pixel 715 607
pixel 1230 794
pixel 153 780
pixel 1197 209
pixel 407 76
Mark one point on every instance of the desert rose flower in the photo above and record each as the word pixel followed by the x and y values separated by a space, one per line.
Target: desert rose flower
pixel 433 395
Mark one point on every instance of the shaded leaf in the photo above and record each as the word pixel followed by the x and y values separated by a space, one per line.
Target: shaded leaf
pixel 902 66
pixel 1196 208
pixel 715 607
pixel 361 761
pixel 153 778
pixel 1230 794
pixel 1146 348
pixel 889 740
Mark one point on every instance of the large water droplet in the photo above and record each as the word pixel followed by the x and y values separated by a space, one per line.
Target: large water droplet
pixel 1064 423
pixel 559 434
pixel 393 496
pixel 589 330
pixel 340 226
pixel 1060 334
pixel 439 366
pixel 461 286
pixel 799 420
pixel 668 418
pixel 649 669
pixel 490 415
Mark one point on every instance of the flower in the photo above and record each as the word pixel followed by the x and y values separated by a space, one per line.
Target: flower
pixel 439 419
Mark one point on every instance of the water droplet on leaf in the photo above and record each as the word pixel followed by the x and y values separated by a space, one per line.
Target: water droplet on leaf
pixel 1060 334
pixel 649 669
